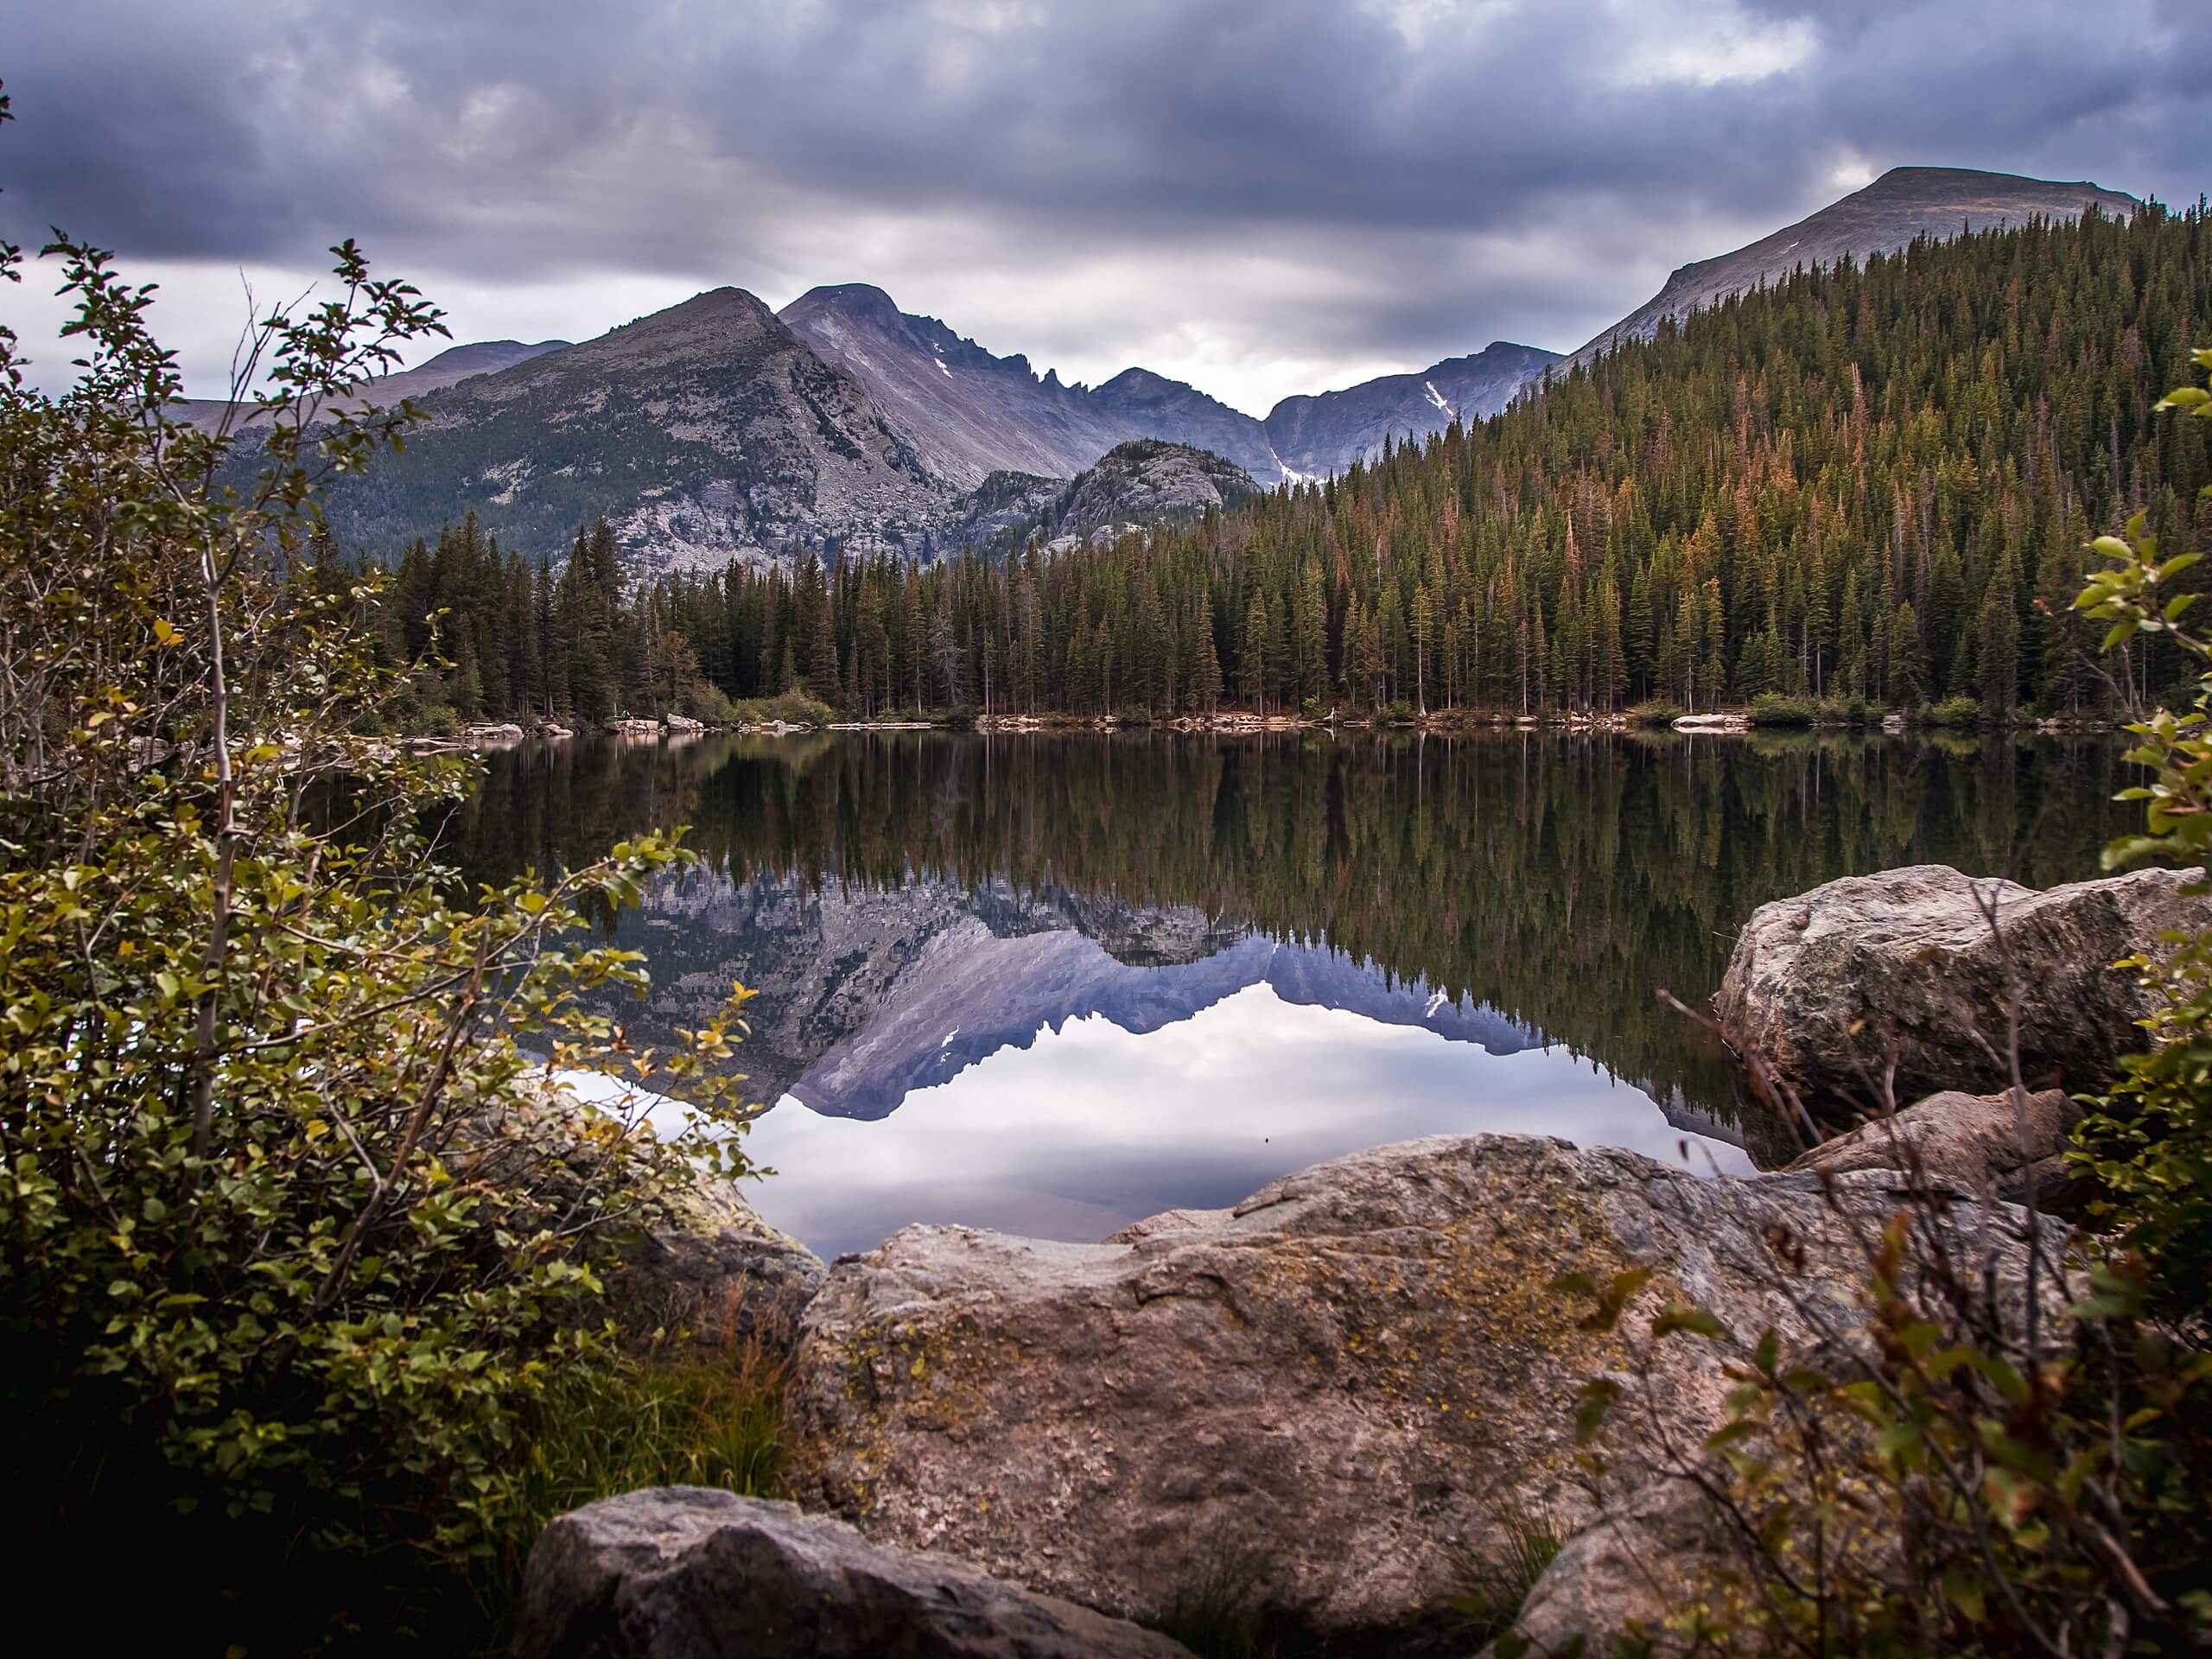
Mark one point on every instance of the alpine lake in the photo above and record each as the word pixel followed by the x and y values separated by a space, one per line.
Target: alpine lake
pixel 1051 984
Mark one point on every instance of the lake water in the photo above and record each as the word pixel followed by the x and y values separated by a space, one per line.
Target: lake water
pixel 1054 984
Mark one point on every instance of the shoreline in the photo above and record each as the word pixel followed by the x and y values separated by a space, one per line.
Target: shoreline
pixel 1737 721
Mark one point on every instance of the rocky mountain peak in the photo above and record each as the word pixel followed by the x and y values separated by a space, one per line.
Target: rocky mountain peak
pixel 1888 215
pixel 862 302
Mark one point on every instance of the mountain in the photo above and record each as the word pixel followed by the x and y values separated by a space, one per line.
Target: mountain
pixel 1135 484
pixel 1314 437
pixel 967 413
pixel 450 367
pixel 1144 481
pixel 717 430
pixel 1889 214
pixel 705 433
pixel 970 413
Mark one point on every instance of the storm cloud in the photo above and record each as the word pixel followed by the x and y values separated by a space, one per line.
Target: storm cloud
pixel 1259 196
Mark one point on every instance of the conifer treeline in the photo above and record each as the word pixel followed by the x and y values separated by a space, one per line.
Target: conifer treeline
pixel 1870 482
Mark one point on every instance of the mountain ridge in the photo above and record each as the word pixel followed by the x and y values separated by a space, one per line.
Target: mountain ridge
pixel 1883 217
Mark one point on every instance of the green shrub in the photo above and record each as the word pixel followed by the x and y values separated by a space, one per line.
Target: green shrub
pixel 1654 713
pixel 708 703
pixel 1772 708
pixel 1957 714
pixel 1494 1585
pixel 792 708
pixel 293 1244
pixel 1849 711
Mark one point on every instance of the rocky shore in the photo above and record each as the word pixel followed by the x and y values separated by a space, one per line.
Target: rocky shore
pixel 1322 1408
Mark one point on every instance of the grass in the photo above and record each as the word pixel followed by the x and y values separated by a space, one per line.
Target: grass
pixel 1215 1611
pixel 1496 1585
pixel 710 1416
pixel 1655 714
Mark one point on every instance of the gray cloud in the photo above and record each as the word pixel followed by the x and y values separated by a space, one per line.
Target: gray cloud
pixel 1262 195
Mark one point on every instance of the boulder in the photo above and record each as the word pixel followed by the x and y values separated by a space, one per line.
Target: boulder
pixel 1721 722
pixel 688 1573
pixel 1332 1398
pixel 684 723
pixel 1833 989
pixel 710 1265
pixel 1988 1144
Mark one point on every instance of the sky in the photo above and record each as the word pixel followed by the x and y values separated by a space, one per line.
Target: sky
pixel 1261 197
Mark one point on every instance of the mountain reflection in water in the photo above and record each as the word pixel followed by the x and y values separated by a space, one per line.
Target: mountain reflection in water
pixel 1054 984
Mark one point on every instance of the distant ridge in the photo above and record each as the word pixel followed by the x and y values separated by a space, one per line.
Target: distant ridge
pixel 1903 204
pixel 450 367
pixel 1317 435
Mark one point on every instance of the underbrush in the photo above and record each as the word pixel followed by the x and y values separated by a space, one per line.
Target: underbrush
pixel 1772 708
pixel 1957 713
pixel 1654 713
pixel 790 708
pixel 1850 711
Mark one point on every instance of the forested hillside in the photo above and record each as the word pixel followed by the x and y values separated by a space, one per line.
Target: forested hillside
pixel 1866 482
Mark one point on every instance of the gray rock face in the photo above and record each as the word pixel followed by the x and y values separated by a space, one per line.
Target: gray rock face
pixel 704 433
pixel 1905 203
pixel 1147 479
pixel 1323 434
pixel 967 412
pixel 1342 1384
pixel 686 1573
pixel 710 1265
pixel 1148 405
pixel 1984 1144
pixel 1835 988
pixel 970 413
pixel 1141 483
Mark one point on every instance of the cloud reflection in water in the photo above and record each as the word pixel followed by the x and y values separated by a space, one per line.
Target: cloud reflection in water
pixel 1093 1127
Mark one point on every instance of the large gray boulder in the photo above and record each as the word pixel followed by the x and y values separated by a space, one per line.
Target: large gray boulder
pixel 1900 975
pixel 690 1573
pixel 1998 1145
pixel 1332 1399
pixel 706 1264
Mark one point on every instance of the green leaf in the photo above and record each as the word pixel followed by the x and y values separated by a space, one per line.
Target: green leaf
pixel 1597 1397
pixel 1964 1594
pixel 1698 1321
